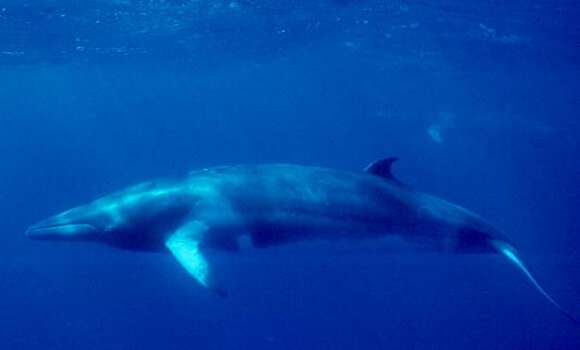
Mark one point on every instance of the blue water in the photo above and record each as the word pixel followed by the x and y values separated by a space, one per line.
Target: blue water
pixel 479 99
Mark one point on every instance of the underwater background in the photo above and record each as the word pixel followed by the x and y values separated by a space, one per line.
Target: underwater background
pixel 479 99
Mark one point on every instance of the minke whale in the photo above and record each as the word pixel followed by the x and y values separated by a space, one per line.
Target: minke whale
pixel 274 204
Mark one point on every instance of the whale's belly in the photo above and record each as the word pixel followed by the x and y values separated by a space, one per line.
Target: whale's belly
pixel 280 228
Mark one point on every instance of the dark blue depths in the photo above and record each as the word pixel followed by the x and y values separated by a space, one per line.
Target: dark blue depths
pixel 478 99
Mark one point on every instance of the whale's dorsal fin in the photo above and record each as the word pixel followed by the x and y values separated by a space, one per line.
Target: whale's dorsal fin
pixel 184 244
pixel 382 168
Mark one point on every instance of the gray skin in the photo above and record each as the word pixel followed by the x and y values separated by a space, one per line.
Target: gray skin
pixel 274 204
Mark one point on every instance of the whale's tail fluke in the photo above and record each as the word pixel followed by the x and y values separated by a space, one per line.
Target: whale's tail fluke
pixel 510 252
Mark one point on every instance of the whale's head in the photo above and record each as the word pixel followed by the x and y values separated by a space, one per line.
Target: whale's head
pixel 136 219
pixel 81 223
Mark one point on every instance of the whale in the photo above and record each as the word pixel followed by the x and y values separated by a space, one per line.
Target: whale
pixel 266 205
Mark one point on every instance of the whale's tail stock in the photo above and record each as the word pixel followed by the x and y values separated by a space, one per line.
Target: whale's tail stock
pixel 511 253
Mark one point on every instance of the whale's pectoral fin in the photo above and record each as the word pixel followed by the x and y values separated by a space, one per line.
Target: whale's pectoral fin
pixel 184 244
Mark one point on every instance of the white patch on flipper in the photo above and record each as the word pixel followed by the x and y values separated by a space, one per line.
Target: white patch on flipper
pixel 187 253
pixel 184 245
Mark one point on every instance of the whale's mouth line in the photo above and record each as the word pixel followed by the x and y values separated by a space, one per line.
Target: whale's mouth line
pixel 49 231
